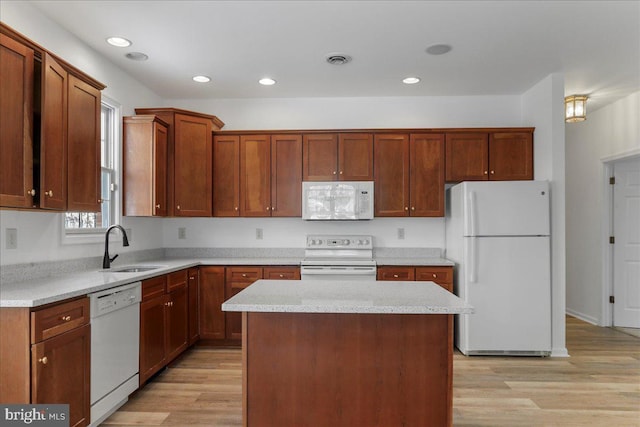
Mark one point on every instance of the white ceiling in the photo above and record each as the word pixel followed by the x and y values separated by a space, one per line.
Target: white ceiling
pixel 499 47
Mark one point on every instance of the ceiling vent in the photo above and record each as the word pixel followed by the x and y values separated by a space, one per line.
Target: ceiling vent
pixel 338 59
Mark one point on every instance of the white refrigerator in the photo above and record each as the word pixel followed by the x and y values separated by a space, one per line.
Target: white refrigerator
pixel 497 233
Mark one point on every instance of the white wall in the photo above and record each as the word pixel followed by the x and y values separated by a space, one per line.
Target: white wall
pixel 543 105
pixel 610 132
pixel 39 234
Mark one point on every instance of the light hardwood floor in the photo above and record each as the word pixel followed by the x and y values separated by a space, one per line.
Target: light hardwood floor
pixel 599 385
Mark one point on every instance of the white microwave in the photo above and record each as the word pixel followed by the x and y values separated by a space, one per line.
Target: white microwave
pixel 337 200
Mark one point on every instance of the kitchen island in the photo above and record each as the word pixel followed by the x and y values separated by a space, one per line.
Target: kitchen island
pixel 347 353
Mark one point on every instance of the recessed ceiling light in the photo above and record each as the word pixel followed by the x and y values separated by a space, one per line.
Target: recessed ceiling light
pixel 118 42
pixel 411 80
pixel 438 49
pixel 267 81
pixel 137 56
pixel 201 79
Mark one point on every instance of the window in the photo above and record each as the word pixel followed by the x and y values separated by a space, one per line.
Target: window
pixel 92 223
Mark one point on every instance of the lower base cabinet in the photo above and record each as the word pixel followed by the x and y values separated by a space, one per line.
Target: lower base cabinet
pixel 443 276
pixel 218 284
pixel 45 356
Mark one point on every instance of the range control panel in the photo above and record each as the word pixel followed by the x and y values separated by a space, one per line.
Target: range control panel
pixel 339 242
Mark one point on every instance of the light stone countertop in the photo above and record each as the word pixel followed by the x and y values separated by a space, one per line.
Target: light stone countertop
pixel 45 290
pixel 325 296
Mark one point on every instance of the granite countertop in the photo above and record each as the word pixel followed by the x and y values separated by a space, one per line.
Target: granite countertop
pixel 45 290
pixel 325 296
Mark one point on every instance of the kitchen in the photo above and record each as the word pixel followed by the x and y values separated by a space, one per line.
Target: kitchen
pixel 39 234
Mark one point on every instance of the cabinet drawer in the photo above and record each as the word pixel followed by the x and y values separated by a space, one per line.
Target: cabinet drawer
pixel 154 287
pixel 282 273
pixel 176 280
pixel 395 273
pixel 54 320
pixel 244 274
pixel 435 274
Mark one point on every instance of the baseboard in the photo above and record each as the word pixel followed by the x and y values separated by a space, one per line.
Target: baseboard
pixel 582 316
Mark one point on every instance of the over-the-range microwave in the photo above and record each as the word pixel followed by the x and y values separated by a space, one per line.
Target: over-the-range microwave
pixel 337 200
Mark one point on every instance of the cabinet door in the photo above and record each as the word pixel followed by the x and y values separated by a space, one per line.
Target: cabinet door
pixel 467 156
pixel 212 318
pixel 160 146
pixel 177 323
pixel 255 175
pixel 510 156
pixel 391 166
pixel 16 116
pixel 443 276
pixel 355 157
pixel 320 157
pixel 193 158
pixel 152 336
pixel 83 145
pixel 281 273
pixel 286 175
pixel 427 175
pixel 400 273
pixel 60 373
pixel 194 305
pixel 237 279
pixel 53 136
pixel 226 176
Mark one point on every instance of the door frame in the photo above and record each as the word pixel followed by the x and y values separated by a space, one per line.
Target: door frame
pixel 608 164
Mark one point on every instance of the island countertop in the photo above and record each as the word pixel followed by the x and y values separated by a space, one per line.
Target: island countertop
pixel 326 296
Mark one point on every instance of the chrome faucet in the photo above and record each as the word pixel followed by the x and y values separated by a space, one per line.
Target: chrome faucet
pixel 106 260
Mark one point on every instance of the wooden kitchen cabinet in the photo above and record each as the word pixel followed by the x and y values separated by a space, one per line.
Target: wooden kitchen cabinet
pixel 442 275
pixel 281 273
pixel 144 160
pixel 163 321
pixel 226 175
pixel 45 356
pixel 212 295
pixel 16 116
pixel 83 147
pixel 257 175
pixel 237 279
pixel 338 157
pixel 189 160
pixel 409 175
pixel 481 156
pixel 194 304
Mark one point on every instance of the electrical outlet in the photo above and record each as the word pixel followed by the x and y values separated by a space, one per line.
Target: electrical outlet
pixel 258 233
pixel 400 233
pixel 12 238
pixel 182 233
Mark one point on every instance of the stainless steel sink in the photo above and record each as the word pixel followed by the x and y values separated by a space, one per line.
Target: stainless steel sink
pixel 132 269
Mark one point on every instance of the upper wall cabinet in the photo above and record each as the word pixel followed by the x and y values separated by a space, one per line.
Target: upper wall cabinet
pixel 189 160
pixel 16 115
pixel 47 160
pixel 257 175
pixel 144 160
pixel 409 174
pixel 480 156
pixel 338 157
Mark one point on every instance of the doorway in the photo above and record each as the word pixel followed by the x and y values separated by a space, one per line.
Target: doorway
pixel 626 247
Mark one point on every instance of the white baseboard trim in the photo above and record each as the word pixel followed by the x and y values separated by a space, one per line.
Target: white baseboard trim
pixel 582 316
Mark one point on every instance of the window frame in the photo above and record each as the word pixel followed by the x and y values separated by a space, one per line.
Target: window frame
pixel 113 151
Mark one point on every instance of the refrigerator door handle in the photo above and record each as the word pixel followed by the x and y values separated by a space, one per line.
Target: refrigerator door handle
pixel 471 213
pixel 473 271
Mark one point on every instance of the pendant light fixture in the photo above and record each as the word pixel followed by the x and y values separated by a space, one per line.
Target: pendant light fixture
pixel 575 108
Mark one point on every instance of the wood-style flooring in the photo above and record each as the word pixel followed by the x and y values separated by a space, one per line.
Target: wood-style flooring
pixel 599 385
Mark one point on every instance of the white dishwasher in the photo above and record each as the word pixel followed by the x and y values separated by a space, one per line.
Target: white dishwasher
pixel 115 348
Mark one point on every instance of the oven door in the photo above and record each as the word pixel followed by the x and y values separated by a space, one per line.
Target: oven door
pixel 337 272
